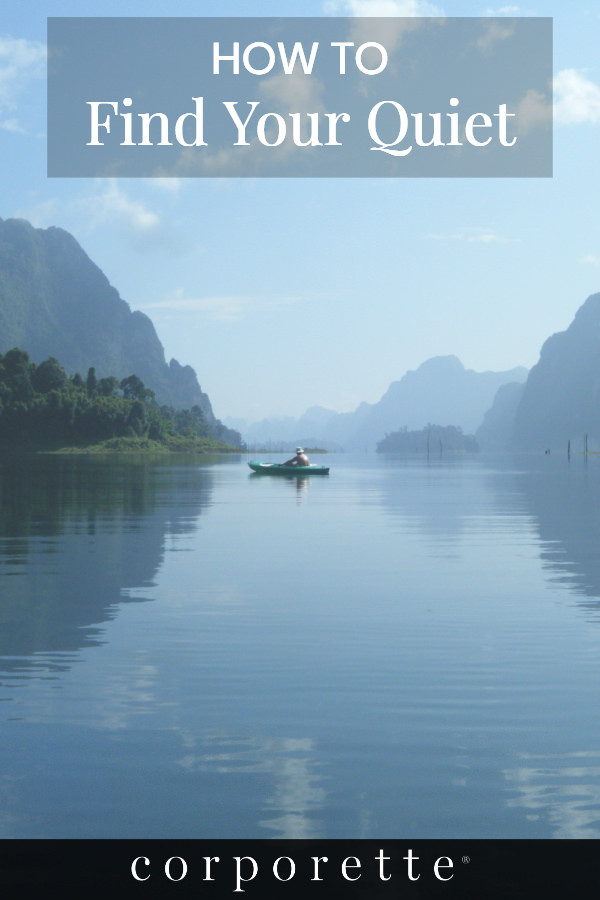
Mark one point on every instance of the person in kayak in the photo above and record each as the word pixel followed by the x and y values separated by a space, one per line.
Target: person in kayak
pixel 300 459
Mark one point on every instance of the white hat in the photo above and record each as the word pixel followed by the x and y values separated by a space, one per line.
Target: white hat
pixel 299 450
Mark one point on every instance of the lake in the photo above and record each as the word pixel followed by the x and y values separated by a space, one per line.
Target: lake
pixel 401 649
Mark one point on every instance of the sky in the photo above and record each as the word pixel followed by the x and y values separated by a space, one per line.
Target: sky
pixel 287 293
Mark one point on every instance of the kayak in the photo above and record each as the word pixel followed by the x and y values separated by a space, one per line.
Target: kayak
pixel 274 469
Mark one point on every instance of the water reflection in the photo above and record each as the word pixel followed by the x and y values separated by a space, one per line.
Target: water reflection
pixel 381 680
pixel 78 538
pixel 412 490
pixel 563 789
pixel 298 483
pixel 77 533
pixel 559 500
pixel 297 791
pixel 526 530
pixel 562 499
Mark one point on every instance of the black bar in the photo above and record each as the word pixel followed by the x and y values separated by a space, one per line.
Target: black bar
pixel 482 869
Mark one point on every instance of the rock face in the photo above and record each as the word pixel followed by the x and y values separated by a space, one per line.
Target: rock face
pixel 561 399
pixel 54 301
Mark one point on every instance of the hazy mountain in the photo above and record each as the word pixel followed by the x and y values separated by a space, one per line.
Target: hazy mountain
pixel 441 392
pixel 496 430
pixel 285 432
pixel 561 399
pixel 54 301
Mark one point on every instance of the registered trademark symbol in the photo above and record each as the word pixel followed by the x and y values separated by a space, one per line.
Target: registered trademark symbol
pixel 466 859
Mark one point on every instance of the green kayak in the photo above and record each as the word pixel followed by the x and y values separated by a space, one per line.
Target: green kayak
pixel 274 469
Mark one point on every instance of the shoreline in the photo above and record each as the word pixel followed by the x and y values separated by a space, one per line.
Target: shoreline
pixel 121 445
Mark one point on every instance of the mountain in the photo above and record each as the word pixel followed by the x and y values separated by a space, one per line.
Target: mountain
pixel 561 399
pixel 54 301
pixel 285 432
pixel 496 430
pixel 441 392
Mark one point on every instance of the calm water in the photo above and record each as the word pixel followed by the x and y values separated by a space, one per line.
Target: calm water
pixel 402 649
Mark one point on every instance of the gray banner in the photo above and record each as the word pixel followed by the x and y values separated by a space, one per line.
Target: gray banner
pixel 299 97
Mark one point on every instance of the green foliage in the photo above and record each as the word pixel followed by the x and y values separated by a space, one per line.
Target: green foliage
pixel 91 381
pixel 41 405
pixel 134 389
pixel 48 376
pixel 434 439
pixel 107 387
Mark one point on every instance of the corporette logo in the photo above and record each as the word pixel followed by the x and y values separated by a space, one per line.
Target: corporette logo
pixel 237 873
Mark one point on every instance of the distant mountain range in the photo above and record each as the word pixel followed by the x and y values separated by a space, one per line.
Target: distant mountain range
pixel 441 392
pixel 54 301
pixel 554 406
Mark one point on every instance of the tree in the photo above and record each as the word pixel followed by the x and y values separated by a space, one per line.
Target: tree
pixel 16 362
pixel 134 389
pixel 191 422
pixel 49 376
pixel 107 387
pixel 91 381
pixel 138 418
pixel 16 374
pixel 43 403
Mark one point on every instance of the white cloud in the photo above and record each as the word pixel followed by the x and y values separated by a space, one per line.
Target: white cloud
pixel 408 8
pixel 145 230
pixel 12 125
pixel 591 260
pixel 389 33
pixel 473 235
pixel 21 61
pixel 168 184
pixel 510 11
pixel 42 214
pixel 106 204
pixel 576 99
pixel 302 93
pixel 494 32
pixel 228 308
pixel 533 110
pixel 486 237
pixel 113 203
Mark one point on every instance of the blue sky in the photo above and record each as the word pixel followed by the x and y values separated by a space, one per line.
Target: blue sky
pixel 287 293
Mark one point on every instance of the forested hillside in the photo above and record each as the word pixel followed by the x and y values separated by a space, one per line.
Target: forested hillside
pixel 54 301
pixel 41 405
